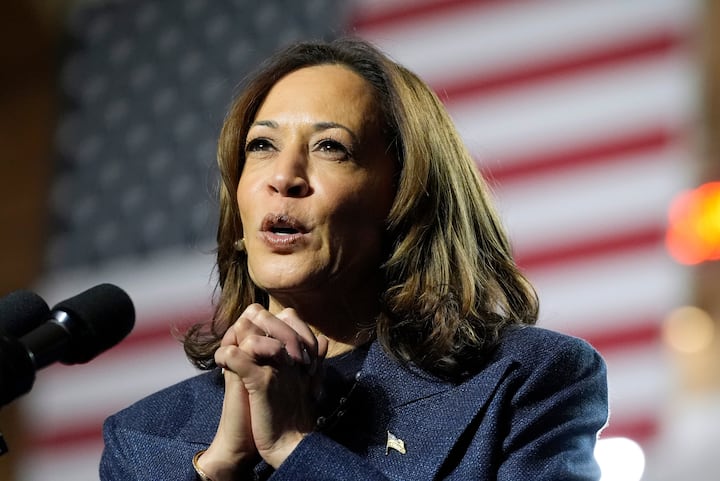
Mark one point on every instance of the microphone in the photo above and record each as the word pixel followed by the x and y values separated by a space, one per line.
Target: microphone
pixel 21 312
pixel 77 330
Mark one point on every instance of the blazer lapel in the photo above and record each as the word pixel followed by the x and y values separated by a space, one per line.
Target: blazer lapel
pixel 411 411
pixel 425 416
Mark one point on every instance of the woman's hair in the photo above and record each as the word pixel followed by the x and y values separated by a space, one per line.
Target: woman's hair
pixel 450 282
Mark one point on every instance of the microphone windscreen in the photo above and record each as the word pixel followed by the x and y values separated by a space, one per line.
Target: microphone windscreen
pixel 98 318
pixel 21 312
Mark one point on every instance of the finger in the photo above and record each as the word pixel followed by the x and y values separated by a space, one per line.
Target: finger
pixel 247 325
pixel 317 363
pixel 252 351
pixel 323 344
pixel 278 329
pixel 291 318
pixel 240 329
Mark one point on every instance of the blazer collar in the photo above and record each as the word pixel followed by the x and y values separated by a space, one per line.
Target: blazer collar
pixel 402 385
pixel 426 414
pixel 399 384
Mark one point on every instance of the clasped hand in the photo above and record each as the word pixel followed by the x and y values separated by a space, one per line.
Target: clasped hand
pixel 272 380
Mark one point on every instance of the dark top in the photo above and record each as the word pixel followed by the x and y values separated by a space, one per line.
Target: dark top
pixel 533 412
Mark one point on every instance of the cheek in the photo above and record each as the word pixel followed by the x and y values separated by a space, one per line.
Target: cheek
pixel 360 219
pixel 369 195
pixel 372 203
pixel 243 198
pixel 240 191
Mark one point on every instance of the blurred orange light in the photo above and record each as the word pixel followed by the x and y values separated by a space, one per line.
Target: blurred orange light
pixel 689 330
pixel 693 234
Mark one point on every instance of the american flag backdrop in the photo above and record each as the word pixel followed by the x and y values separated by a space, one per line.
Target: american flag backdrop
pixel 580 113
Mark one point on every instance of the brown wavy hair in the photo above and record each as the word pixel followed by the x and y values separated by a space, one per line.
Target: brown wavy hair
pixel 451 283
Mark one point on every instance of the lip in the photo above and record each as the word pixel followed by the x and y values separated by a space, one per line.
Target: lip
pixel 271 232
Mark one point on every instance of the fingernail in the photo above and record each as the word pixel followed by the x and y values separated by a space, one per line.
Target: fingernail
pixel 305 356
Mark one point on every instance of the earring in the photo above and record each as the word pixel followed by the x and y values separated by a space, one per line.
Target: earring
pixel 240 245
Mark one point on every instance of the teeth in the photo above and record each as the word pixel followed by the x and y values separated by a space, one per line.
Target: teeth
pixel 284 230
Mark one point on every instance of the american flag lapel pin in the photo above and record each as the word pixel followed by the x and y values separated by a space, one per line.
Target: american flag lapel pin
pixel 394 442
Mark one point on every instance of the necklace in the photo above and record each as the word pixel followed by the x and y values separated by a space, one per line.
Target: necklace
pixel 330 421
pixel 342 376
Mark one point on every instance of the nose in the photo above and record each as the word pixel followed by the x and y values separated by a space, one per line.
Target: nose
pixel 289 176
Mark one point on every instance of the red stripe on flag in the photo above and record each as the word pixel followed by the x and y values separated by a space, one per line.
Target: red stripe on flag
pixel 638 333
pixel 79 434
pixel 369 18
pixel 660 43
pixel 640 429
pixel 599 152
pixel 161 330
pixel 614 242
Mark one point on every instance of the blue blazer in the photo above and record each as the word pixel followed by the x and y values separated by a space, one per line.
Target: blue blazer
pixel 534 412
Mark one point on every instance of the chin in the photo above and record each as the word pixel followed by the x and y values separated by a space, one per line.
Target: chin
pixel 284 278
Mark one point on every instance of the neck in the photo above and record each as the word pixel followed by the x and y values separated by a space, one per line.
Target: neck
pixel 345 324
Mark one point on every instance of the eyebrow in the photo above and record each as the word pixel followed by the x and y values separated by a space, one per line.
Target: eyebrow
pixel 335 125
pixel 265 123
pixel 317 127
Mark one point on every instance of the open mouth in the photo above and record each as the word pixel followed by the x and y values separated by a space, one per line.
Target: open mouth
pixel 282 225
pixel 281 230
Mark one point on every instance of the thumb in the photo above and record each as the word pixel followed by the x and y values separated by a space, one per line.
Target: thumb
pixel 323 344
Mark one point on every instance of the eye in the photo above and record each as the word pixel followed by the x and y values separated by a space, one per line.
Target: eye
pixel 259 144
pixel 333 149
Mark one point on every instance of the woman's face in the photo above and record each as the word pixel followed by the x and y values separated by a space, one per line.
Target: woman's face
pixel 317 185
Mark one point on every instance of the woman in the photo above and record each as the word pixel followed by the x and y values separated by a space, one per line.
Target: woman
pixel 372 323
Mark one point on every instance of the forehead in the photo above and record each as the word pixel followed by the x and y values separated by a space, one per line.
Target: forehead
pixel 323 90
